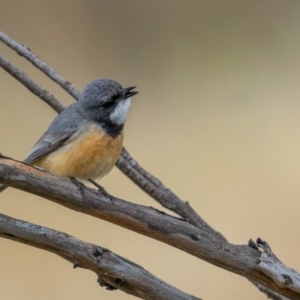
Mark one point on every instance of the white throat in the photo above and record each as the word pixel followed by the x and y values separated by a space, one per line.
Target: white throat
pixel 119 114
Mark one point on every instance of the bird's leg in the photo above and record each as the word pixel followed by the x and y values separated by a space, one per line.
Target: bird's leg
pixel 101 189
pixel 79 184
pixel 98 186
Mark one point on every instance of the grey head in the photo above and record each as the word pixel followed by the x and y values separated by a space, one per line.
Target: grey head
pixel 106 102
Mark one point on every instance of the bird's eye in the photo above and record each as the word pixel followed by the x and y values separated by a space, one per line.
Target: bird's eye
pixel 108 104
pixel 115 97
pixel 111 101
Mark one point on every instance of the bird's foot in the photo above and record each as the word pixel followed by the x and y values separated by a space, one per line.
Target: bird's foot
pixel 79 184
pixel 101 189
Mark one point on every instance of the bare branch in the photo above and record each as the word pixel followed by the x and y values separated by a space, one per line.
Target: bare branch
pixel 270 294
pixel 37 62
pixel 240 259
pixel 146 181
pixel 274 268
pixel 158 191
pixel 28 82
pixel 31 85
pixel 114 271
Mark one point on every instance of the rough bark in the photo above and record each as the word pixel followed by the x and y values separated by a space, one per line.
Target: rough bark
pixel 252 265
pixel 241 259
pixel 114 271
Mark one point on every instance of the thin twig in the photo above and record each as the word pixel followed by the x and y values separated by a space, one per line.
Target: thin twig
pixel 158 191
pixel 114 271
pixel 33 87
pixel 126 163
pixel 146 181
pixel 30 84
pixel 37 62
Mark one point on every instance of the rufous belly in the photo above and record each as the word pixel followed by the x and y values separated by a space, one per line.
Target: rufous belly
pixel 91 154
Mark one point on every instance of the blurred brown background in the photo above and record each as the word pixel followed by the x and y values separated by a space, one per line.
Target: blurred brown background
pixel 217 120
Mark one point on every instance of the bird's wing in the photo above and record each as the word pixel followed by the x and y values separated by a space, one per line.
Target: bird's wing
pixel 48 143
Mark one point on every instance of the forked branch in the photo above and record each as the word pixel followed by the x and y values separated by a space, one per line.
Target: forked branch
pixel 196 238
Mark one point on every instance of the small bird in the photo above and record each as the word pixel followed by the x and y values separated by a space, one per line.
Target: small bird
pixel 85 140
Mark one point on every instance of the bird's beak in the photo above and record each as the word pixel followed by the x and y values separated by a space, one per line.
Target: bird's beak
pixel 127 92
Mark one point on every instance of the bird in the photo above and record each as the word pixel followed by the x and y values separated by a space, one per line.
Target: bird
pixel 85 140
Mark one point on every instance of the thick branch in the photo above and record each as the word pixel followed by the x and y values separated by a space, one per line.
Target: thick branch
pixel 274 268
pixel 270 294
pixel 126 163
pixel 240 259
pixel 114 271
pixel 146 181
pixel 158 191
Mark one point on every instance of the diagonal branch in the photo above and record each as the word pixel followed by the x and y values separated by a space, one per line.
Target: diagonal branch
pixel 274 268
pixel 158 191
pixel 146 181
pixel 114 271
pixel 31 85
pixel 239 259
pixel 37 62
pixel 270 294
